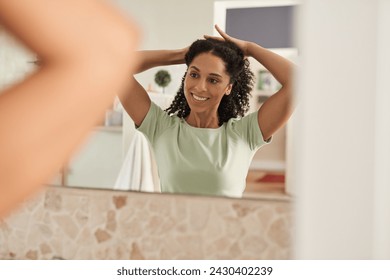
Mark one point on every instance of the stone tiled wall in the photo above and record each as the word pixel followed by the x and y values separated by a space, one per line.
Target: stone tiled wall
pixel 68 223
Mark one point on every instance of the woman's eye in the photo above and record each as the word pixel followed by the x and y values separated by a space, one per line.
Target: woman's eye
pixel 193 75
pixel 213 81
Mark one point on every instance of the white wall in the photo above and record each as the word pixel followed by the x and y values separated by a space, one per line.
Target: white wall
pixel 382 136
pixel 339 160
pixel 15 60
pixel 98 162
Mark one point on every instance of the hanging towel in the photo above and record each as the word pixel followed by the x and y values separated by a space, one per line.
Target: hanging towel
pixel 136 172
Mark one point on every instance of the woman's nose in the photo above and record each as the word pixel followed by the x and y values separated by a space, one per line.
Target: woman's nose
pixel 201 85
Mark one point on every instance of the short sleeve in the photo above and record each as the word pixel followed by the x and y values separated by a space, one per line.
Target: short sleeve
pixel 248 129
pixel 155 123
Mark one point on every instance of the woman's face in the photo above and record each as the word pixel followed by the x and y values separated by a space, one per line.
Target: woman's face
pixel 206 82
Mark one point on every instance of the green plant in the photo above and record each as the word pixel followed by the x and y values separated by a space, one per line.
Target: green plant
pixel 162 78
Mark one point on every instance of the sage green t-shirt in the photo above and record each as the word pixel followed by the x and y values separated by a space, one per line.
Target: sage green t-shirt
pixel 202 160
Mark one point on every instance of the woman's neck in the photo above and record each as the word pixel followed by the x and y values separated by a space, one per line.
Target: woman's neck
pixel 203 120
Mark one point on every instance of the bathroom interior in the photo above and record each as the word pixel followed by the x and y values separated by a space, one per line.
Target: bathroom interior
pixel 98 206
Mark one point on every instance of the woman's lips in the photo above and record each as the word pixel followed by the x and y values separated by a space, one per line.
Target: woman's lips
pixel 199 98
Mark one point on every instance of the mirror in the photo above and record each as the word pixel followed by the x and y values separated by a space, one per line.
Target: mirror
pixel 170 25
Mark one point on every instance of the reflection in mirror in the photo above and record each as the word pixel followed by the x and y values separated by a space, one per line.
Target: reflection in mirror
pixel 266 86
pixel 117 156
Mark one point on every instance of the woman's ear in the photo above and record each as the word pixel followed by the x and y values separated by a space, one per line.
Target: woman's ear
pixel 228 89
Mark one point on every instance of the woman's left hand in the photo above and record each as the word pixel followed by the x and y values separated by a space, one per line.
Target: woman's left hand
pixel 243 45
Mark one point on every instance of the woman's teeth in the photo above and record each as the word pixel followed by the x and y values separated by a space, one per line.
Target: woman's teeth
pixel 199 98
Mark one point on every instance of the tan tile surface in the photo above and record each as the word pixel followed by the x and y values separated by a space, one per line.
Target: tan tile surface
pixel 69 223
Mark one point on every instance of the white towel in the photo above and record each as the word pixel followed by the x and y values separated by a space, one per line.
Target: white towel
pixel 139 170
pixel 136 172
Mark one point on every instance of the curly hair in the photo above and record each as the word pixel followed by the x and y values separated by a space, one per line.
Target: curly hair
pixel 236 104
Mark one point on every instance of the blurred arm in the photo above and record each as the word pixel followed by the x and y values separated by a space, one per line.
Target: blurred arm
pixel 84 48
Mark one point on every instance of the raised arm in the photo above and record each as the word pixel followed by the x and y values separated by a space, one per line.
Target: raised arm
pixel 275 112
pixel 135 99
pixel 85 61
pixel 277 109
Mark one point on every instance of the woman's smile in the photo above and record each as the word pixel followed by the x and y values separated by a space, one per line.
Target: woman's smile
pixel 199 98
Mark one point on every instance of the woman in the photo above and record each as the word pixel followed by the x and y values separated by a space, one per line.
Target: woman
pixel 203 144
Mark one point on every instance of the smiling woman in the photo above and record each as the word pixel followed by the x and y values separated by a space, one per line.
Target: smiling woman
pixel 203 143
